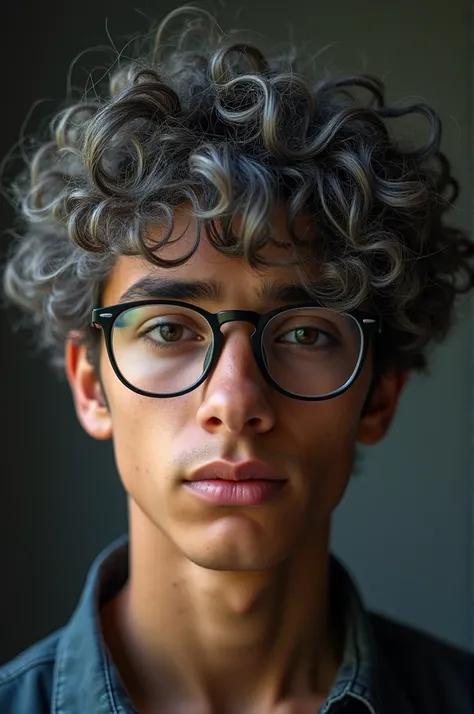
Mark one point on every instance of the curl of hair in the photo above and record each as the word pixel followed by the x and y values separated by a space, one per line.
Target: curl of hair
pixel 217 125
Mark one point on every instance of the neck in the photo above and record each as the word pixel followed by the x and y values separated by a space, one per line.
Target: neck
pixel 223 641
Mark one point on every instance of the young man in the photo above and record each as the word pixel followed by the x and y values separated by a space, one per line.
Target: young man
pixel 238 267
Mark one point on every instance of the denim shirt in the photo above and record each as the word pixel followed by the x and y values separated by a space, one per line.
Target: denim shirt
pixel 386 668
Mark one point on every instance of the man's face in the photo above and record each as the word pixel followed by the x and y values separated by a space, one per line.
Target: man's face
pixel 234 415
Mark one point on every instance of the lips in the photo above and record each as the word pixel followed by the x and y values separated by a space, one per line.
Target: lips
pixel 248 483
pixel 251 470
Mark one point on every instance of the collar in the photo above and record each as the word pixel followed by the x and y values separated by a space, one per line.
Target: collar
pixel 365 674
pixel 86 680
pixel 356 676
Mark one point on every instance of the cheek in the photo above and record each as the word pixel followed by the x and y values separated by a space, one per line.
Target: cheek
pixel 326 427
pixel 142 432
pixel 325 436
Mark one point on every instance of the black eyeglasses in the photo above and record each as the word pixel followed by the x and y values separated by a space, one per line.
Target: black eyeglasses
pixel 167 348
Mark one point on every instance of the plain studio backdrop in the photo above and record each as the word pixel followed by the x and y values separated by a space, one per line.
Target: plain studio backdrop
pixel 404 527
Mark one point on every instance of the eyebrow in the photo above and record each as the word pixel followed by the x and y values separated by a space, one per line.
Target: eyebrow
pixel 152 287
pixel 155 287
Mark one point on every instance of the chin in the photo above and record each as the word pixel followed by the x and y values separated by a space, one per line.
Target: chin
pixel 233 562
pixel 235 544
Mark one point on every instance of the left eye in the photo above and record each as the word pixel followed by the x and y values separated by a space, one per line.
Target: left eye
pixel 306 336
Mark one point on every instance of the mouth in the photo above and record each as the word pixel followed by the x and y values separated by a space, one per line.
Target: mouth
pixel 249 483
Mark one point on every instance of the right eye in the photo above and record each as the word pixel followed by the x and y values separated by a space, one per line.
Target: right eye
pixel 169 333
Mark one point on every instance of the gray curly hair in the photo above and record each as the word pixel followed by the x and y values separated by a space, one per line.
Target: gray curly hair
pixel 215 124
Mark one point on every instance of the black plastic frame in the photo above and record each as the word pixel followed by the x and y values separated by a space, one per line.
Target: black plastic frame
pixel 104 318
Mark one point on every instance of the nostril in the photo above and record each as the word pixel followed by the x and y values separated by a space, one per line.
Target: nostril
pixel 214 421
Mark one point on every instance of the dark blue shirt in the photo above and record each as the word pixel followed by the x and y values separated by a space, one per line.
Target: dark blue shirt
pixel 386 668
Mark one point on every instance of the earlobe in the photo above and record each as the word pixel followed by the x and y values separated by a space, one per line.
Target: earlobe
pixel 379 413
pixel 91 406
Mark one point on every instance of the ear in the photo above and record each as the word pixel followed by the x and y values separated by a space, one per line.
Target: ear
pixel 379 412
pixel 89 400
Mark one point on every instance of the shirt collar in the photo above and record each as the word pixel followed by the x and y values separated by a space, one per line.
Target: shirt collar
pixel 365 674
pixel 87 681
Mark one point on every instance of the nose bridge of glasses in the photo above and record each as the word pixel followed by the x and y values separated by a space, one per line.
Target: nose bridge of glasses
pixel 226 316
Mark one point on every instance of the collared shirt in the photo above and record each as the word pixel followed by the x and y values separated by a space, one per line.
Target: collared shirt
pixel 386 668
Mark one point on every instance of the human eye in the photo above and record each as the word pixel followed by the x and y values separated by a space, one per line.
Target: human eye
pixel 168 332
pixel 308 336
pixel 311 328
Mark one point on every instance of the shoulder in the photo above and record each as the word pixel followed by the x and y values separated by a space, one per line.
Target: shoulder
pixel 426 667
pixel 26 682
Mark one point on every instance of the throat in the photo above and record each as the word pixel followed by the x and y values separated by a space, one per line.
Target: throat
pixel 239 643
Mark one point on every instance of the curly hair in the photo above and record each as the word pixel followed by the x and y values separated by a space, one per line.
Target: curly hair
pixel 211 122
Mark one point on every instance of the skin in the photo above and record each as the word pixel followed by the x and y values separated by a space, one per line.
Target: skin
pixel 226 609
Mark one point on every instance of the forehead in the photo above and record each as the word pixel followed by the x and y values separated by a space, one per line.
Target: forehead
pixel 234 276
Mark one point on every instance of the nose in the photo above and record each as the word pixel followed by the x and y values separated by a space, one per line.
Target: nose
pixel 235 395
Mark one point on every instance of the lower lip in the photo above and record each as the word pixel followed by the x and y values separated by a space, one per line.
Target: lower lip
pixel 236 493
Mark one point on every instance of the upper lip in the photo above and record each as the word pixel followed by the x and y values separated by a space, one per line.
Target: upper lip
pixel 241 471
